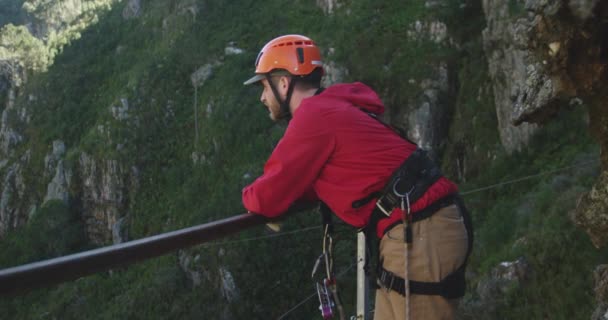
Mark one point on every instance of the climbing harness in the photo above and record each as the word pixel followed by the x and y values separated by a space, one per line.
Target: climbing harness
pixel 406 185
pixel 327 288
pixel 451 287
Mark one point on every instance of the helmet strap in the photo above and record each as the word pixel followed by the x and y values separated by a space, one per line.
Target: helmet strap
pixel 285 111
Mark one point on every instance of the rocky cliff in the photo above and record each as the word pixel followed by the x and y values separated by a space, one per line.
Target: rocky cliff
pixel 547 55
pixel 143 126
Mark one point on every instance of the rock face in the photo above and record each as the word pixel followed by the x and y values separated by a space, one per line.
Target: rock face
pixel 601 293
pixel 13 212
pixel 509 62
pixel 13 196
pixel 12 77
pixel 565 53
pixel 328 6
pixel 132 10
pixel 427 114
pixel 562 49
pixel 591 213
pixel 541 55
pixel 507 276
pixel 54 166
pixel 333 72
pixel 104 197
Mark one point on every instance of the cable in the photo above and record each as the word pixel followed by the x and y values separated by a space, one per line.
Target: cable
pixel 314 294
pixel 527 177
pixel 351 266
pixel 462 193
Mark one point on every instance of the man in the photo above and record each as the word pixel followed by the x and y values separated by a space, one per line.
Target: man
pixel 335 150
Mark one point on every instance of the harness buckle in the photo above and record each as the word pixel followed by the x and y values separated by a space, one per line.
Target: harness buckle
pixel 390 285
pixel 379 205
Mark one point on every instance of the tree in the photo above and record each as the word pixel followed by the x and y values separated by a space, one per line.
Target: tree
pixel 17 43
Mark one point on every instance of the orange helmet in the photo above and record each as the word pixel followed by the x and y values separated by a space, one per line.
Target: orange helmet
pixel 294 53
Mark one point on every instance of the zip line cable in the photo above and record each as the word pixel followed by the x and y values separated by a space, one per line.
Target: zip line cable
pixel 500 184
pixel 493 186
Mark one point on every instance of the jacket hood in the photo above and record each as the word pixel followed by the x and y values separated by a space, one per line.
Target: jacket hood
pixel 357 94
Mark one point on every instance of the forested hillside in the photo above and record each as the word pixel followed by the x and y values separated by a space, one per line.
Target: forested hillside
pixel 126 119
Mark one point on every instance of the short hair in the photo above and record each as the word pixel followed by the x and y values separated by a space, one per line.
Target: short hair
pixel 309 81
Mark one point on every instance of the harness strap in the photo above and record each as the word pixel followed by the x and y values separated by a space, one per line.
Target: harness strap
pixel 413 177
pixel 425 213
pixel 377 215
pixel 451 287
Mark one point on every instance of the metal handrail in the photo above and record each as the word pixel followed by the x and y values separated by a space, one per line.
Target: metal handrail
pixel 53 271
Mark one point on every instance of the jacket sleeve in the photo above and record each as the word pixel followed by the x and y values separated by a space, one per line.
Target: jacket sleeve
pixel 294 165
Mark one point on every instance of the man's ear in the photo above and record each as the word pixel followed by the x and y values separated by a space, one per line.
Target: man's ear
pixel 284 82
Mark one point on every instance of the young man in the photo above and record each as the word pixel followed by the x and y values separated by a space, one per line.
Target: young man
pixel 335 150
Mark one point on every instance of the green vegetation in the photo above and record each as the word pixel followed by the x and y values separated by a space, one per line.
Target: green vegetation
pixel 53 230
pixel 530 219
pixel 18 43
pixel 146 64
pixel 62 21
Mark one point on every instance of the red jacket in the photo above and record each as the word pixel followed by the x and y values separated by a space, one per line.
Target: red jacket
pixel 334 152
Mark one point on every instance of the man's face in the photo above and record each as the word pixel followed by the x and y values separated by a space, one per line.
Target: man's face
pixel 268 98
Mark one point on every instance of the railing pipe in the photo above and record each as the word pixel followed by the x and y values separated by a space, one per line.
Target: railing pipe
pixel 57 270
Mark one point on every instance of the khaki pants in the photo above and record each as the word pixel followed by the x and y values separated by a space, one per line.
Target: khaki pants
pixel 439 247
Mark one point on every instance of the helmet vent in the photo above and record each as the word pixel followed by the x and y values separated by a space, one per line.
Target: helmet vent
pixel 300 53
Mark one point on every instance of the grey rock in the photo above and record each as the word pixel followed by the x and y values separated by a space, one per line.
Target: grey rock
pixel 425 116
pixel 121 111
pixel 12 77
pixel 190 268
pixel 119 231
pixel 232 49
pixel 582 9
pixel 328 6
pixel 601 293
pixel 229 289
pixel 601 312
pixel 12 214
pixel 591 213
pixel 601 283
pixel 436 31
pixel 202 74
pixel 334 73
pixel 104 194
pixel 132 10
pixel 510 65
pixel 188 7
pixel 58 188
pixel 508 275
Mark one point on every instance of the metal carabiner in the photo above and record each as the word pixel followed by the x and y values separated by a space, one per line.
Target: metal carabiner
pixel 405 197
